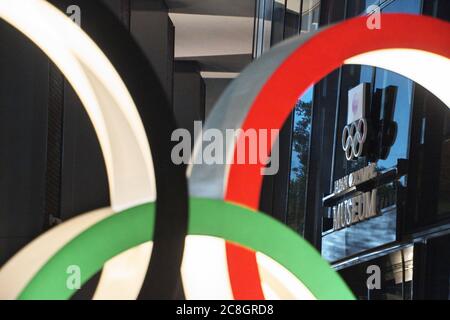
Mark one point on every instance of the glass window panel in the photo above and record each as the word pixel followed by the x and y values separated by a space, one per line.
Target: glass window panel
pixel 299 162
pixel 338 244
pixel 293 6
pixel 395 281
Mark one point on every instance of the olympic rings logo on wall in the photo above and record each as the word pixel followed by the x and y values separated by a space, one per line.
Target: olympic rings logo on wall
pixel 216 239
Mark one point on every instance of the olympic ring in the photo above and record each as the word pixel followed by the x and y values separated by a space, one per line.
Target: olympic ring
pixel 354 136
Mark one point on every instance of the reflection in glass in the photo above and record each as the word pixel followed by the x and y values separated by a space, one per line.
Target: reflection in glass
pixel 263 27
pixel 403 103
pixel 352 76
